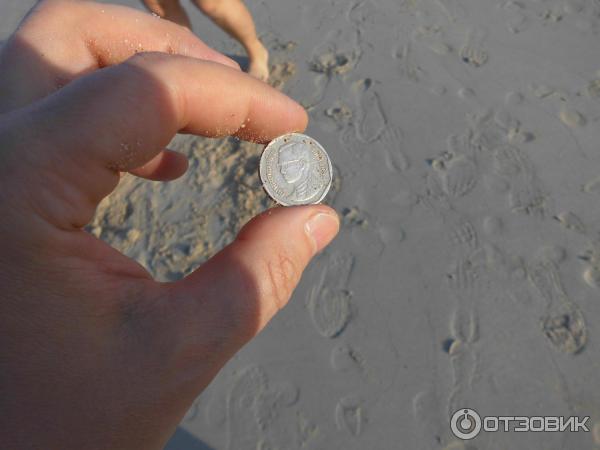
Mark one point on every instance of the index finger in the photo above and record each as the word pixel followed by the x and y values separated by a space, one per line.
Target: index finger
pixel 121 117
pixel 61 40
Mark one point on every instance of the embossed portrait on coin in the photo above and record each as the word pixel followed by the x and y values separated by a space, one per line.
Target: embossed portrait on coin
pixel 298 170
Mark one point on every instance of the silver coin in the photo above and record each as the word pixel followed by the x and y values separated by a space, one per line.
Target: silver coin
pixel 295 170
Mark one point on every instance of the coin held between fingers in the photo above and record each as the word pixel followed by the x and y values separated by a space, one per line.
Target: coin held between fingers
pixel 295 170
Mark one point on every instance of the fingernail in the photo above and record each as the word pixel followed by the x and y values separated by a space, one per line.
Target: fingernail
pixel 322 228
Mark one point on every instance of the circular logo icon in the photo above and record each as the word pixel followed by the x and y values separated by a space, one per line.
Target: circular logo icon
pixel 465 424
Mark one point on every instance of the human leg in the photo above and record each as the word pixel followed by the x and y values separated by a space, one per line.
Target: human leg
pixel 170 10
pixel 235 19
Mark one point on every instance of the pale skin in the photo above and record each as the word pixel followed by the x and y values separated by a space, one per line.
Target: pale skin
pixel 94 353
pixel 232 16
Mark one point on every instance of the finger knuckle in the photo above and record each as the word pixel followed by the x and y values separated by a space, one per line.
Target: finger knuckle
pixel 281 276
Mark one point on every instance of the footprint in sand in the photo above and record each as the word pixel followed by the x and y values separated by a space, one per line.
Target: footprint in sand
pixel 517 20
pixel 484 132
pixel 517 23
pixel 464 325
pixel 272 401
pixel 460 231
pixel 452 9
pixel 457 173
pixel 563 321
pixel 345 358
pixel 513 98
pixel 371 119
pixel 362 12
pixel 464 359
pixel 591 275
pixel 492 225
pixel 473 51
pixel 467 281
pixel 392 143
pixel 464 363
pixel 571 221
pixel 574 6
pixel 243 401
pixel 543 275
pixel 340 113
pixel 529 200
pixel 525 195
pixel 466 275
pixel 426 408
pixel 433 38
pixel 571 117
pixel 330 311
pixel 329 60
pixel 408 69
pixel 281 73
pixel 592 186
pixel 215 413
pixel 350 414
pixel 593 88
pixel 461 145
pixel 566 329
pixel 256 415
pixel 553 253
pixel 329 301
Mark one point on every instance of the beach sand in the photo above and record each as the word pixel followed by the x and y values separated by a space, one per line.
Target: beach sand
pixel 465 139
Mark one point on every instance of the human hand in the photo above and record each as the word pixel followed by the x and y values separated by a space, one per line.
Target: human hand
pixel 94 353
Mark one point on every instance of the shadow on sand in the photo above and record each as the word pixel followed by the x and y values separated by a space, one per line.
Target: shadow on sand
pixel 243 61
pixel 182 440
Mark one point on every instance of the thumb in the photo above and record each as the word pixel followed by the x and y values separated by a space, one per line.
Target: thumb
pixel 229 299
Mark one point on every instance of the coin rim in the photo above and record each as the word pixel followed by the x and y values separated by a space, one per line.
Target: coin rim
pixel 263 175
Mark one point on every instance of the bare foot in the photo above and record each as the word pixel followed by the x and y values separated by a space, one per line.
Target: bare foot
pixel 259 62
